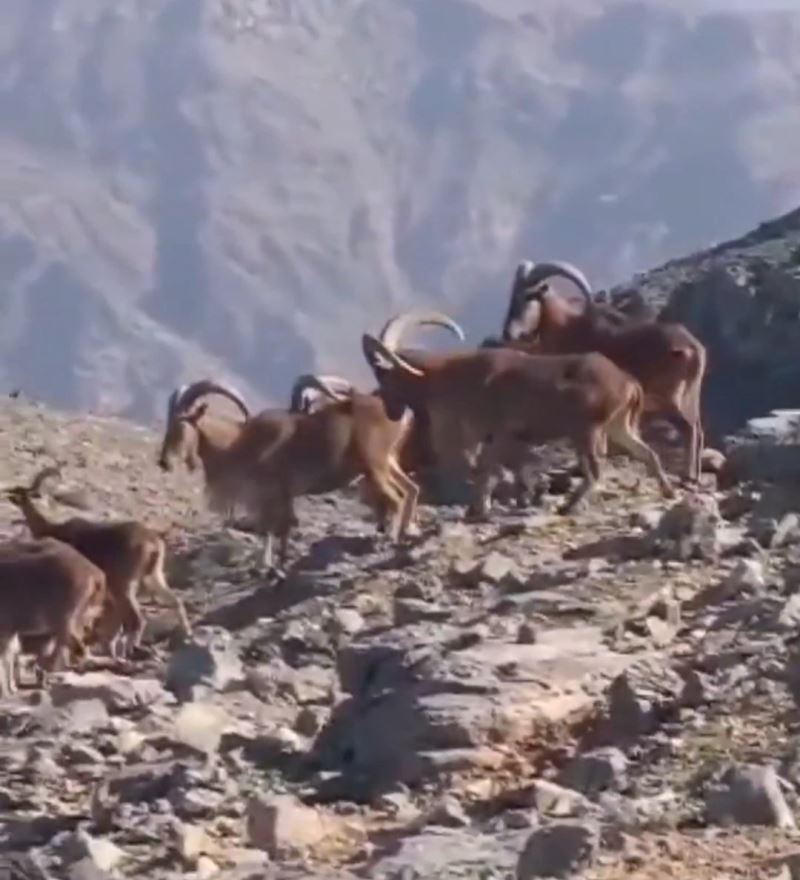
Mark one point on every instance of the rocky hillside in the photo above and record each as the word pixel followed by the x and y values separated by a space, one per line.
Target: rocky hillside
pixel 242 186
pixel 611 694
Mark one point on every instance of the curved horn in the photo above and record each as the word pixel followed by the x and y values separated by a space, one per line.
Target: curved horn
pixel 523 270
pixel 172 403
pixel 539 272
pixel 326 385
pixel 393 330
pixel 207 386
pixel 44 474
pixel 381 357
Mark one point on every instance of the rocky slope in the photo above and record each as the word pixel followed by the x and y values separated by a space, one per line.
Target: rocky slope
pixel 243 186
pixel 603 695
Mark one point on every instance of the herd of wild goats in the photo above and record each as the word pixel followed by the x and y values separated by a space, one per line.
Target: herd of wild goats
pixel 585 375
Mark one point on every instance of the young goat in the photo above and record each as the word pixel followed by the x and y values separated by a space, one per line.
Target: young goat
pixel 488 399
pixel 273 460
pixel 47 590
pixel 666 359
pixel 130 554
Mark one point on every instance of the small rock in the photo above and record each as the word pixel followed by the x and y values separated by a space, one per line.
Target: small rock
pixel 749 795
pixel 698 689
pixel 712 461
pixel 410 611
pixel 520 819
pixel 209 662
pixel 555 800
pixel 208 868
pixel 310 720
pixel 282 824
pixel 83 869
pixel 779 533
pixel 688 529
pixel 18 866
pixel 449 812
pixel 77 754
pixel 661 632
pixel 630 715
pixel 600 770
pixel 103 854
pixel 746 577
pixel 496 568
pixel 789 617
pixel 116 692
pixel 558 850
pixel 348 621
pixel 192 842
pixel 200 726
pixel 526 634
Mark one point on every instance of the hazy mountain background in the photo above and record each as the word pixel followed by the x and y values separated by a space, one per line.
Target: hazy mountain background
pixel 240 187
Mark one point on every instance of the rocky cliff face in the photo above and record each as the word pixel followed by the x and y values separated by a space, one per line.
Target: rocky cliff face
pixel 242 186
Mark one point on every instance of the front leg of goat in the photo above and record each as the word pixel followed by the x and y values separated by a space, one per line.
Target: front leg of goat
pixel 487 475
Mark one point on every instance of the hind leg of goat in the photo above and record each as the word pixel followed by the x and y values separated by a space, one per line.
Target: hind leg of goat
pixel 157 582
pixel 9 664
pixel 685 416
pixel 623 434
pixel 410 492
pixel 487 474
pixel 389 497
pixel 590 467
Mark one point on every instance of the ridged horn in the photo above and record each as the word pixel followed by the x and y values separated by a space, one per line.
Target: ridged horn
pixel 380 356
pixel 539 272
pixel 44 474
pixel 333 387
pixel 198 389
pixel 172 403
pixel 392 333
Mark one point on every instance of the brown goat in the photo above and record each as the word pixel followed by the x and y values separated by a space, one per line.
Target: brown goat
pixel 272 461
pixel 486 399
pixel 47 590
pixel 666 359
pixel 130 554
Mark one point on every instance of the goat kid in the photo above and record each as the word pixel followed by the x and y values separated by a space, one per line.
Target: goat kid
pixel 47 592
pixel 131 555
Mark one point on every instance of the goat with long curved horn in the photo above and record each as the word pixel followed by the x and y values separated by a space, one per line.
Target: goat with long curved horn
pixel 183 398
pixel 666 358
pixel 308 388
pixel 393 330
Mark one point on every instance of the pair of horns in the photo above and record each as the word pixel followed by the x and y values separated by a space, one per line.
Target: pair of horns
pixel 182 398
pixel 394 329
pixel 530 275
pixel 308 386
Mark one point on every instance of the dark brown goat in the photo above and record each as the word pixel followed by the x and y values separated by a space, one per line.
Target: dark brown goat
pixel 488 398
pixel 666 359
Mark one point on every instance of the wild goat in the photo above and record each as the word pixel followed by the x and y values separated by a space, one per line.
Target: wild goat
pixel 129 553
pixel 489 398
pixel 47 589
pixel 666 359
pixel 273 460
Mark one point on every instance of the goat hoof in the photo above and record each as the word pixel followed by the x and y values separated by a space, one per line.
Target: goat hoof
pixel 476 515
pixel 275 574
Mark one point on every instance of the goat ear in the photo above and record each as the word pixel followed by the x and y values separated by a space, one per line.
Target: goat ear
pixel 197 413
pixel 537 291
pixel 372 352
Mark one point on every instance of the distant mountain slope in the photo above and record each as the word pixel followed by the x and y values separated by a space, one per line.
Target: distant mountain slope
pixel 241 186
